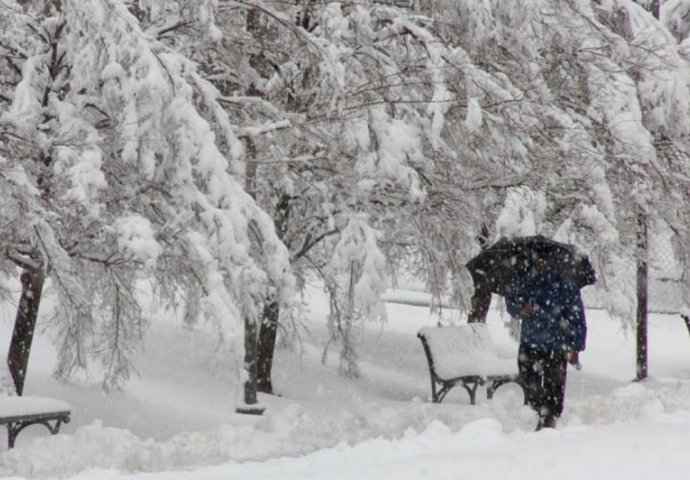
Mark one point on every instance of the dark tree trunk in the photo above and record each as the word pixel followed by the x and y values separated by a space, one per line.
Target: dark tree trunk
pixel 266 347
pixel 24 326
pixel 250 399
pixel 481 298
pixel 641 355
pixel 269 326
pixel 250 325
pixel 642 274
pixel 250 361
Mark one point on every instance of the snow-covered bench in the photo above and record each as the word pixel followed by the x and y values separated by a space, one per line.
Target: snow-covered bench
pixel 17 413
pixel 466 355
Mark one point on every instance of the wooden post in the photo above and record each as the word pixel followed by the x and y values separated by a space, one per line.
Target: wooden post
pixel 642 296
pixel 24 326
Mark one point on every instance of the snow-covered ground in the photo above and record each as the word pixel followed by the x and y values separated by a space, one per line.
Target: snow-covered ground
pixel 176 419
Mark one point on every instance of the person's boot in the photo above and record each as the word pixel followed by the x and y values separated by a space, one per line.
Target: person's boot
pixel 548 421
pixel 540 424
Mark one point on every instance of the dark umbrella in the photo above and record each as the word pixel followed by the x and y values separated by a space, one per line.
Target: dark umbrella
pixel 498 266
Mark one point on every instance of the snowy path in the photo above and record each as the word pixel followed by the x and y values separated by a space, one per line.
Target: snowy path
pixel 178 416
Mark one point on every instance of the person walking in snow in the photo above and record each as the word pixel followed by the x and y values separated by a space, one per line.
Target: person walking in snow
pixel 553 331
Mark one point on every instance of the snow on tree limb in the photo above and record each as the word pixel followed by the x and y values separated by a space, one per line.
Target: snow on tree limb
pixel 129 174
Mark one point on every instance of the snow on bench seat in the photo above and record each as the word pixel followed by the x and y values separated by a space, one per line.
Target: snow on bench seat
pixel 464 350
pixel 23 406
pixel 466 354
pixel 17 413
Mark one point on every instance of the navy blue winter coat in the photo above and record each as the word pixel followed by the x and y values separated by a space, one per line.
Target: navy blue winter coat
pixel 554 318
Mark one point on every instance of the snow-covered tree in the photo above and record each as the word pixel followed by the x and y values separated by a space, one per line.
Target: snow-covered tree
pixel 340 106
pixel 116 166
pixel 573 99
pixel 128 127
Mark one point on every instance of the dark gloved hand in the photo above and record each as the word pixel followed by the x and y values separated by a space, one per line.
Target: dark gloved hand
pixel 527 310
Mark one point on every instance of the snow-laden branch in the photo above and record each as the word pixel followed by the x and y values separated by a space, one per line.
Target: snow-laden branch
pixel 245 100
pixel 310 242
pixel 282 19
pixel 246 132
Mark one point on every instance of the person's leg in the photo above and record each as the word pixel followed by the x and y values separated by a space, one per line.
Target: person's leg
pixel 531 369
pixel 555 373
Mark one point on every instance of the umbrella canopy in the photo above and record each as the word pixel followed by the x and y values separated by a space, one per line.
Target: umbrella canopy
pixel 497 267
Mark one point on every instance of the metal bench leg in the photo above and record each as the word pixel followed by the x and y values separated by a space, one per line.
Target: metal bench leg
pixel 445 388
pixel 491 389
pixel 434 393
pixel 13 428
pixel 495 384
pixel 12 432
pixel 472 391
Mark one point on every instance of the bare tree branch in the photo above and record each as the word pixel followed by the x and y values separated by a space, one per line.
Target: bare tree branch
pixel 309 243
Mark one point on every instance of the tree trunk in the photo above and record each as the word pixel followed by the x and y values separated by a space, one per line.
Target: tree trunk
pixel 266 347
pixel 641 296
pixel 269 326
pixel 481 298
pixel 250 325
pixel 250 361
pixel 642 274
pixel 250 405
pixel 24 326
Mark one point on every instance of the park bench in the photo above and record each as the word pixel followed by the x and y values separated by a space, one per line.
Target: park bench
pixel 466 355
pixel 17 413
